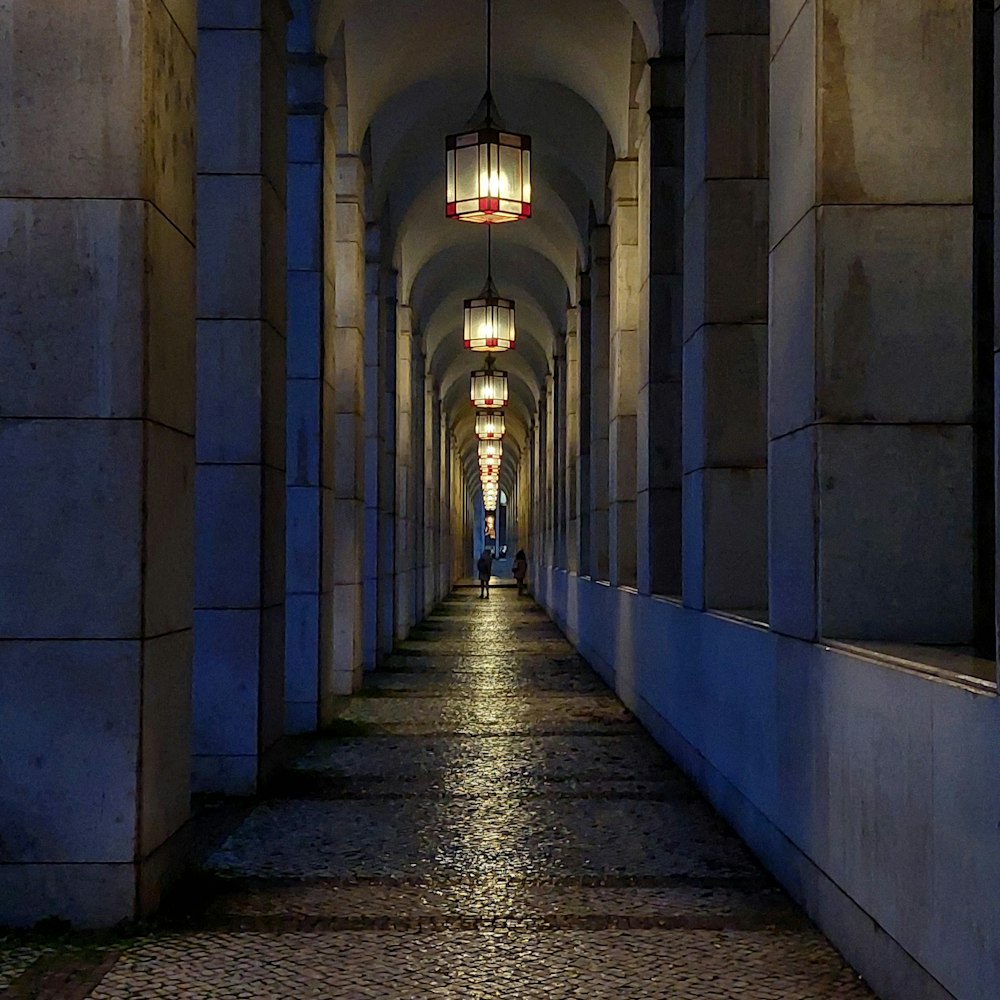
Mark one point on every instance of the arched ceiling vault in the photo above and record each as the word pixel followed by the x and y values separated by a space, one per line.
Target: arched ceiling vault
pixel 413 72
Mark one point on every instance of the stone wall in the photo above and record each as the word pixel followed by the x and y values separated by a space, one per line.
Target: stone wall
pixel 865 787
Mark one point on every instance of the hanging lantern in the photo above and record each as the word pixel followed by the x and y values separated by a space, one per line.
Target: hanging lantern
pixel 488 167
pixel 489 321
pixel 492 450
pixel 490 425
pixel 489 387
pixel 489 175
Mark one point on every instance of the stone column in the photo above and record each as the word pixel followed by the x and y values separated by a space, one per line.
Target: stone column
pixel 239 684
pixel 546 420
pixel 432 415
pixel 97 350
pixel 537 494
pixel 725 308
pixel 387 469
pixel 661 243
pixel 559 455
pixel 871 443
pixel 347 373
pixel 308 395
pixel 374 445
pixel 446 540
pixel 404 473
pixel 571 463
pixel 624 371
pixel 986 310
pixel 585 567
pixel 600 387
pixel 418 445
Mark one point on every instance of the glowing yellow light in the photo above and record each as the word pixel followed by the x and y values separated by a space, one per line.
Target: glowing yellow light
pixel 490 425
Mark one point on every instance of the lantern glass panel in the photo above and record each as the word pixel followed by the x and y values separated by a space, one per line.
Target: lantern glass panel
pixel 509 186
pixel 466 160
pixel 490 426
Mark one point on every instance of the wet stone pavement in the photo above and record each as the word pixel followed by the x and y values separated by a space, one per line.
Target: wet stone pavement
pixel 486 821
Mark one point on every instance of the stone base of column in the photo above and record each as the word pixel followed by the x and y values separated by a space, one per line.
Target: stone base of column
pixel 91 894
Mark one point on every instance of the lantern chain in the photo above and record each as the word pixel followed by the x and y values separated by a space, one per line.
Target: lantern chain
pixel 489 62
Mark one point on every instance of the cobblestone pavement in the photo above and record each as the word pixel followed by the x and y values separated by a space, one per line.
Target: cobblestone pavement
pixel 489 823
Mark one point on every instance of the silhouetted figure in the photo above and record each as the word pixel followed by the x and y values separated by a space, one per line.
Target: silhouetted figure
pixel 485 567
pixel 520 570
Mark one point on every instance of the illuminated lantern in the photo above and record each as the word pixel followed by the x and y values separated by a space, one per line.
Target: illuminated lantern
pixel 490 425
pixel 490 450
pixel 489 387
pixel 489 321
pixel 488 167
pixel 489 175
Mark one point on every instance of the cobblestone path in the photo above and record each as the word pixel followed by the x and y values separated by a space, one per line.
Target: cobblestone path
pixel 487 821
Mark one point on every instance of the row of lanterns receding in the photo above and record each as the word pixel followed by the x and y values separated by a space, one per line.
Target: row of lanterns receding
pixel 488 180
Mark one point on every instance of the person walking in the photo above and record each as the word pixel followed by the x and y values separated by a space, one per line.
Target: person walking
pixel 520 570
pixel 485 568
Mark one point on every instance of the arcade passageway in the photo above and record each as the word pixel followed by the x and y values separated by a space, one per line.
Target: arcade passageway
pixel 485 821
pixel 723 384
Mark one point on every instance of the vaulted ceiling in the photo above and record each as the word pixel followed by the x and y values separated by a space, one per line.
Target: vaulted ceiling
pixel 414 71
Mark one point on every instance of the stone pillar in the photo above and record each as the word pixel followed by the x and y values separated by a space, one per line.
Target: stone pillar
pixel 432 418
pixel 404 473
pixel 571 464
pixel 725 308
pixel 374 445
pixel 661 200
pixel 624 371
pixel 97 349
pixel 418 446
pixel 535 497
pixel 239 683
pixel 986 309
pixel 600 389
pixel 446 540
pixel 347 368
pixel 308 395
pixel 546 419
pixel 387 468
pixel 585 567
pixel 559 454
pixel 871 446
